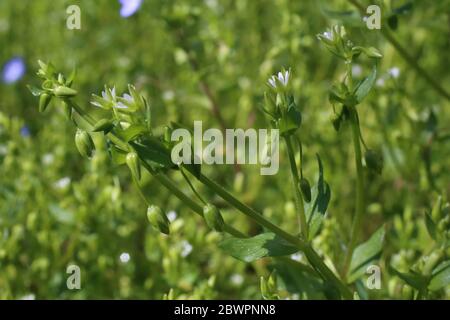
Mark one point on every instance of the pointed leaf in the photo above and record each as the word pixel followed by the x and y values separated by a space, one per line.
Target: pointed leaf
pixel 365 254
pixel 364 87
pixel 260 246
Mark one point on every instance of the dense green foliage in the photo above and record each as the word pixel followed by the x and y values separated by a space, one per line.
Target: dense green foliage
pixel 210 60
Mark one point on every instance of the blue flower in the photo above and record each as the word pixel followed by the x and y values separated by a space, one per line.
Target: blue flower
pixel 13 70
pixel 25 131
pixel 129 7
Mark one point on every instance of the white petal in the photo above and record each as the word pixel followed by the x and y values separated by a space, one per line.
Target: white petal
pixel 127 97
pixel 272 82
pixel 280 77
pixel 286 78
pixel 120 105
pixel 95 103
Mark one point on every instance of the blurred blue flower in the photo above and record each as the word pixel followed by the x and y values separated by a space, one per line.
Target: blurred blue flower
pixel 25 131
pixel 13 70
pixel 129 7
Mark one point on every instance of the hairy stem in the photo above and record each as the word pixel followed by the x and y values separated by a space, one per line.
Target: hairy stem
pixel 360 192
pixel 295 185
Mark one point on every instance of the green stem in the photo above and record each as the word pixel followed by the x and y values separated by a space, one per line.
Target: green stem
pixel 315 260
pixel 406 56
pixel 295 182
pixel 360 192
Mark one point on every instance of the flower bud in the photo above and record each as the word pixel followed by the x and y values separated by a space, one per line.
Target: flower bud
pixel 64 92
pixel 305 188
pixel 84 143
pixel 158 219
pixel 67 109
pixel 132 161
pixel 104 125
pixel 213 217
pixel 374 161
pixel 44 100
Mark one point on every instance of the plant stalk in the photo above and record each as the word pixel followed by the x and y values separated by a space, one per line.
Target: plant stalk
pixel 295 184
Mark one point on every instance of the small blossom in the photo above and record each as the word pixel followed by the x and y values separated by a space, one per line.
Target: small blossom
pixel 129 7
pixel 394 72
pixel 237 279
pixel 48 158
pixel 328 35
pixel 124 257
pixel 25 132
pixel 380 82
pixel 13 70
pixel 186 248
pixel 62 183
pixel 171 215
pixel 356 70
pixel 281 77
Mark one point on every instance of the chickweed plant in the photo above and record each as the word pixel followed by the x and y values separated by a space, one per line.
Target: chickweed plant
pixel 125 123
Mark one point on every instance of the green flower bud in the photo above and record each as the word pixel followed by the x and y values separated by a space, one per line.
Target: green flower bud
pixel 213 217
pixel 132 161
pixel 64 92
pixel 44 100
pixel 305 187
pixel 374 161
pixel 84 143
pixel 67 110
pixel 104 125
pixel 158 219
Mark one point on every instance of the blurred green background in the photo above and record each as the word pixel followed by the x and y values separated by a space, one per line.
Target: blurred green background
pixel 189 57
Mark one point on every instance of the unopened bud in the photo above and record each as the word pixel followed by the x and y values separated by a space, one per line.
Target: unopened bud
pixel 158 219
pixel 84 143
pixel 44 100
pixel 64 92
pixel 132 161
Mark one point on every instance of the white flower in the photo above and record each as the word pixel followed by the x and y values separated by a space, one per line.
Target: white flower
pixel 48 158
pixel 297 256
pixel 328 35
pixel 380 82
pixel 171 215
pixel 237 279
pixel 186 248
pixel 356 70
pixel 62 183
pixel 394 72
pixel 124 257
pixel 281 77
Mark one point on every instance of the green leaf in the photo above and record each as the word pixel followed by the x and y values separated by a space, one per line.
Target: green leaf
pixel 440 276
pixel 131 133
pixel 263 245
pixel 365 254
pixel 297 280
pixel 35 91
pixel 290 121
pixel 154 151
pixel 350 18
pixel 118 156
pixel 431 226
pixel 412 278
pixel 317 208
pixel 363 89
